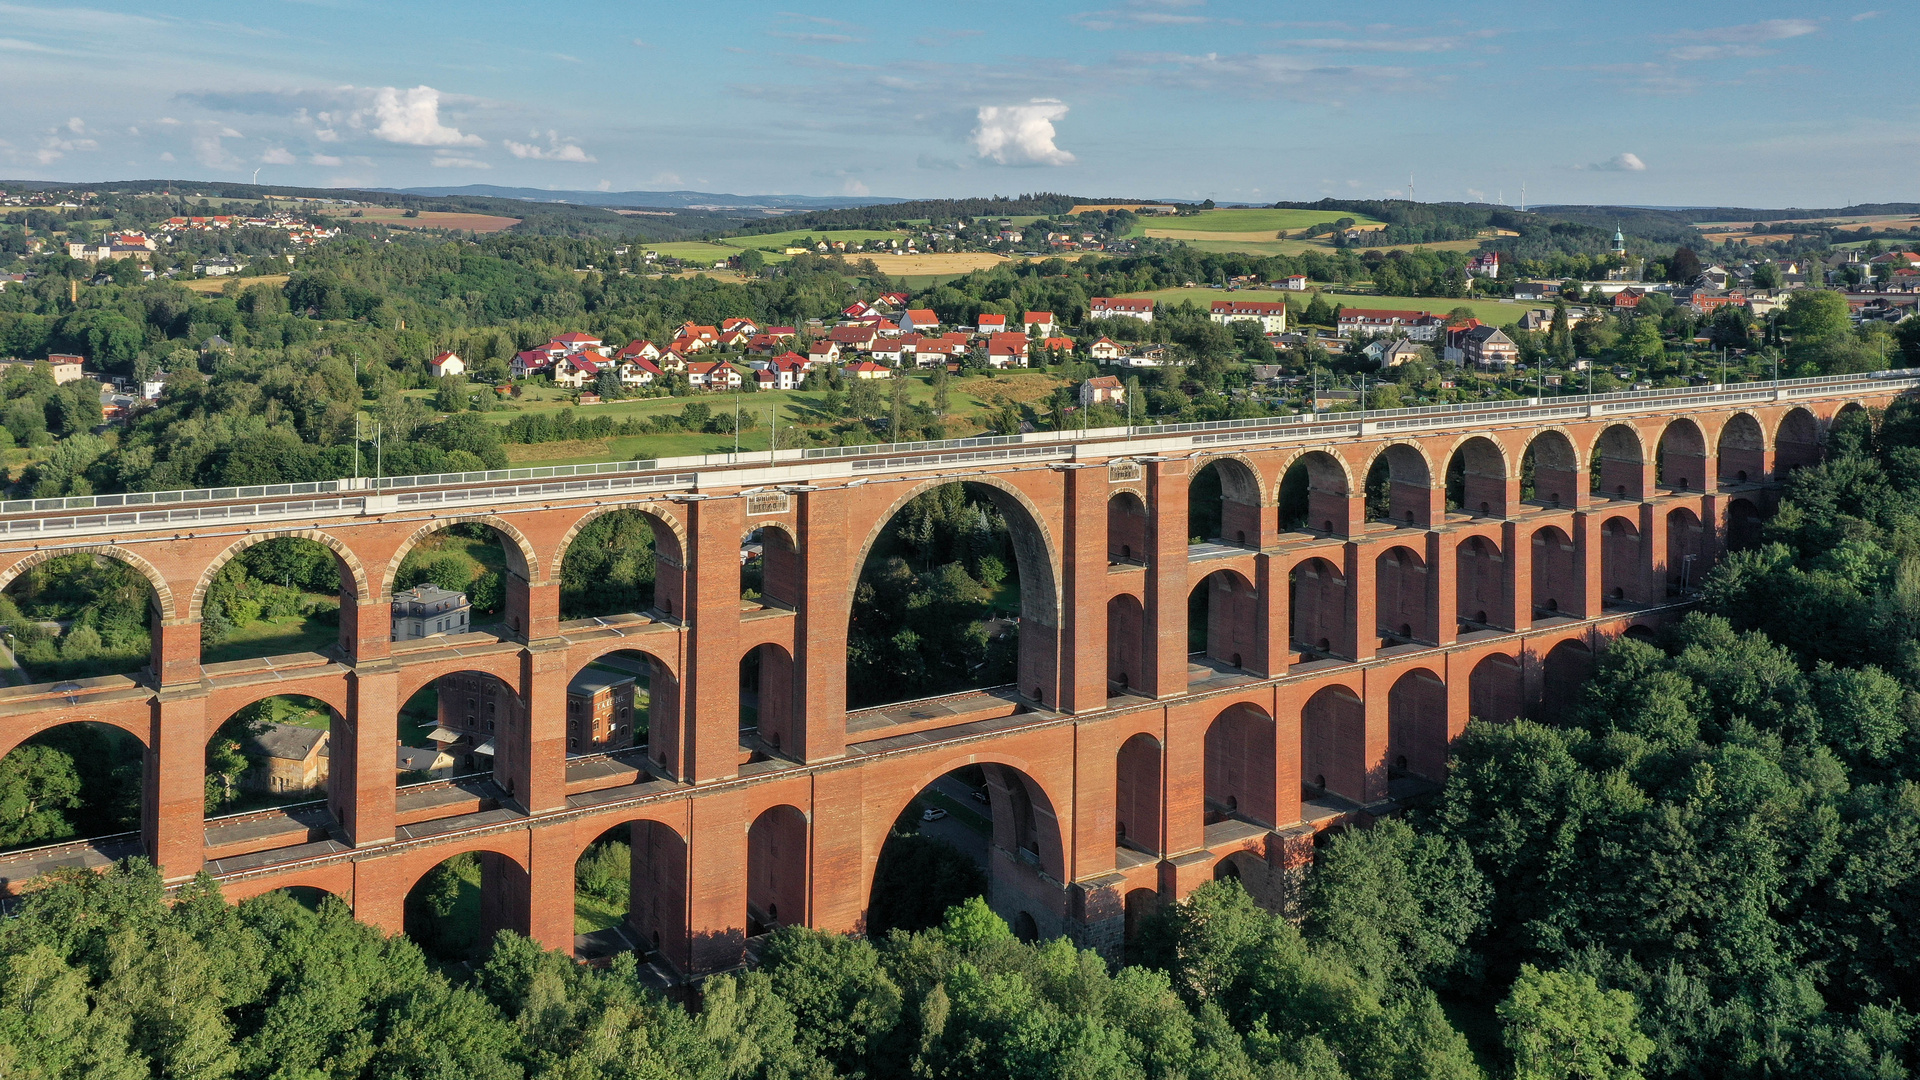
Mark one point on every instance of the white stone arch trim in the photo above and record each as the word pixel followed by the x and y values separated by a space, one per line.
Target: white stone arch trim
pixel 520 551
pixel 362 590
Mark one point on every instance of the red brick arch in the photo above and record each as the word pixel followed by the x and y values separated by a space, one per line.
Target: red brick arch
pixel 660 512
pixel 134 717
pixel 356 573
pixel 521 557
pixel 163 594
pixel 894 801
pixel 580 656
pixel 224 704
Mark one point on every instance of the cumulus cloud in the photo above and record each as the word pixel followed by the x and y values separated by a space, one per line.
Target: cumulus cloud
pixel 445 160
pixel 558 148
pixel 279 155
pixel 412 117
pixel 1021 134
pixel 1738 42
pixel 1618 163
pixel 323 159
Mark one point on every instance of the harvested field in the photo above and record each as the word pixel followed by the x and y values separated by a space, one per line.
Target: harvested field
pixel 938 262
pixel 215 285
pixel 1196 234
pixel 396 217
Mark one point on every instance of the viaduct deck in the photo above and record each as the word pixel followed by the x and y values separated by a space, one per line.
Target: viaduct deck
pixel 1375 580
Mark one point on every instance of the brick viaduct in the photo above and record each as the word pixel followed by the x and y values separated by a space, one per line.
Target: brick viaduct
pixel 1343 651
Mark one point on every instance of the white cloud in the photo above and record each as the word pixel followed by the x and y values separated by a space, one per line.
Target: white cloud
pixel 412 118
pixel 279 155
pixel 323 159
pixel 557 149
pixel 1618 163
pixel 1865 15
pixel 167 156
pixel 17 45
pixel 211 152
pixel 1738 42
pixel 445 160
pixel 855 187
pixel 1021 134
pixel 604 185
pixel 77 126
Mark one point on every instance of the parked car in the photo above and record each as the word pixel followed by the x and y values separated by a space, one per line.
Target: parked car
pixel 978 796
pixel 932 813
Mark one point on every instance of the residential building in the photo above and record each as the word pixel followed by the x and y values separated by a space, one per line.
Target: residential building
pixel 866 369
pixel 919 321
pixel 1041 319
pixel 639 371
pixel 1418 325
pixel 1109 307
pixel 857 338
pixel 287 759
pixel 1102 390
pixel 992 324
pixel 713 375
pixel 429 611
pixel 1061 345
pixel 1628 299
pixel 599 712
pixel 1007 350
pixel 1272 317
pixel 1485 264
pixel 823 352
pixel 639 350
pixel 65 367
pixel 431 761
pixel 1105 351
pixel 782 373
pixel 1489 347
pixel 448 363
pixel 1295 283
pixel 575 371
pixel 1392 354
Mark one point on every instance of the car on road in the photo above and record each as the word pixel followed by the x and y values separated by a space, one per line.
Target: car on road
pixel 932 813
pixel 978 796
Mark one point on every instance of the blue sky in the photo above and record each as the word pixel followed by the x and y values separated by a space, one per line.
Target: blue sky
pixel 1764 104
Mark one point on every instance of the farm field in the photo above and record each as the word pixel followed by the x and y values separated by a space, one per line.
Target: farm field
pixel 216 284
pixel 395 217
pixel 1217 242
pixel 716 250
pixel 1497 312
pixel 1249 221
pixel 1727 232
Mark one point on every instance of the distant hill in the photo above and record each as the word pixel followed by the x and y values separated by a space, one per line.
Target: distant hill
pixel 670 200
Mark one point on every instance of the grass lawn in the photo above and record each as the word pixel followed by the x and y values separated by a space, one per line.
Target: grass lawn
pixel 420 715
pixel 299 711
pixel 1496 312
pixel 275 637
pixel 715 250
pixel 1224 245
pixel 592 914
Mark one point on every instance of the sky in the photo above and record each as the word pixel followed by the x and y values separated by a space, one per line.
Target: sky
pixel 1701 103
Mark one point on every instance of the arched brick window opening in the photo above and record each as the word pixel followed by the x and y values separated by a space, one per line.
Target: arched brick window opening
pixel 1550 472
pixel 956 592
pixel 1240 767
pixel 76 781
pixel 1223 619
pixel 1617 466
pixel 621 703
pixel 466 567
pixel 1126 644
pixel 1126 529
pixel 461 727
pixel 277 751
pixel 1399 488
pixel 1223 503
pixel 310 897
pixel 1620 562
pixel 624 561
pixel 455 908
pixel 1417 728
pixel 1477 479
pixel 986 828
pixel 1333 747
pixel 767 700
pixel 1682 457
pixel 1744 523
pixel 1689 556
pixel 1796 444
pixel 1313 495
pixel 1400 584
pixel 1566 669
pixel 287 595
pixel 1141 904
pixel 770 568
pixel 1136 794
pixel 1480 584
pixel 1494 691
pixel 1742 451
pixel 629 894
pixel 777 861
pixel 1557 577
pixel 79 615
pixel 1317 608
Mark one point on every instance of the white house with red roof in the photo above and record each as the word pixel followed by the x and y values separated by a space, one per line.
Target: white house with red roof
pixel 919 321
pixel 895 350
pixel 1418 325
pixel 782 372
pixel 1102 390
pixel 1295 283
pixel 737 325
pixel 860 309
pixel 577 342
pixel 823 352
pixel 1105 351
pixel 858 337
pixel 1062 345
pixel 1272 317
pixel 448 363
pixel 866 369
pixel 1007 350
pixel 991 324
pixel 1041 319
pixel 1120 307
pixel 713 375
pixel 531 362
pixel 1485 264
pixel 575 371
pixel 639 371
pixel 639 350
